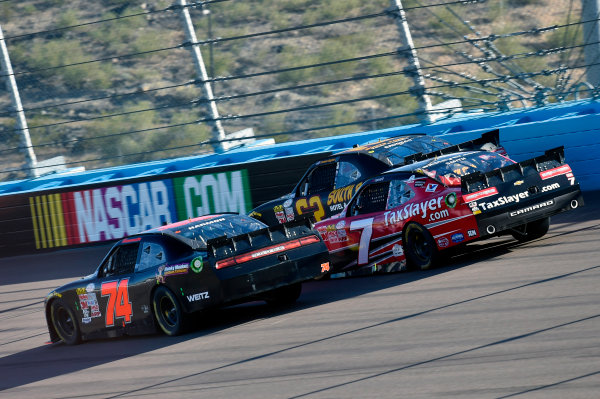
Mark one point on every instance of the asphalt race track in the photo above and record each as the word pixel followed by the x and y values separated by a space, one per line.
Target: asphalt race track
pixel 507 320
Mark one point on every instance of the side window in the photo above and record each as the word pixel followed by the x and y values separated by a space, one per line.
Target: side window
pixel 321 179
pixel 121 261
pixel 372 198
pixel 152 255
pixel 347 173
pixel 400 193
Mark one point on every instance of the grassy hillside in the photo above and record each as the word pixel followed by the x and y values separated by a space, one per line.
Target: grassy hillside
pixel 133 67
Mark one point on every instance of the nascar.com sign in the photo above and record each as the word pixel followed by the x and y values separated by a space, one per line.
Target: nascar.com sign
pixel 109 213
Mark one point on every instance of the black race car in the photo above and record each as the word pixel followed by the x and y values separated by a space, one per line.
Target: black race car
pixel 328 185
pixel 162 276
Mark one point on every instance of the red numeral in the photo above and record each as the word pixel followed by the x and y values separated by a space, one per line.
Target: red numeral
pixel 118 301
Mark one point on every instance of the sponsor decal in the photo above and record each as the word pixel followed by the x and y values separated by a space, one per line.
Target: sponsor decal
pixel 255 214
pixel 458 237
pixel 443 242
pixel 518 182
pixel 419 183
pixel 336 207
pixel 561 170
pixel 89 306
pixel 197 264
pixel 488 192
pixel 172 270
pixel 426 209
pixel 279 214
pixel 471 233
pixel 504 200
pixel 90 287
pixel 54 294
pixel 342 195
pixel 287 203
pixel 118 304
pixel 325 267
pixel 289 214
pixel 340 225
pixel 198 297
pixel 532 208
pixel 145 309
pixel 550 187
pixel 431 187
pixel 397 250
pixel 450 200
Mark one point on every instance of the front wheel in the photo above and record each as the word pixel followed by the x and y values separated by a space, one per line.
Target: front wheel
pixel 419 247
pixel 65 323
pixel 168 312
pixel 532 230
pixel 283 296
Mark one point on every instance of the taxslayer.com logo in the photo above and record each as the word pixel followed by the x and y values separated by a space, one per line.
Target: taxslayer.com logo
pixel 424 209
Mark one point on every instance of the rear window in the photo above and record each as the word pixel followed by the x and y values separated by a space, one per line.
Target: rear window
pixel 449 169
pixel 224 225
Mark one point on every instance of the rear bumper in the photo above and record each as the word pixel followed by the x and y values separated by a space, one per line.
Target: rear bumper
pixel 238 284
pixel 538 207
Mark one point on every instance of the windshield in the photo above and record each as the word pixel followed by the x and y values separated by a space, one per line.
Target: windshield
pixel 224 225
pixel 449 169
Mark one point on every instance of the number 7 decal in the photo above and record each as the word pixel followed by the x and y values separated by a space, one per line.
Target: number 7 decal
pixel 118 301
pixel 365 238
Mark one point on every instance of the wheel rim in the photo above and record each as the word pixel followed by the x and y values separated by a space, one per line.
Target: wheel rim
pixel 168 311
pixel 65 321
pixel 420 246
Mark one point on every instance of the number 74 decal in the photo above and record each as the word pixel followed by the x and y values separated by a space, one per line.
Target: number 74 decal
pixel 118 301
pixel 365 238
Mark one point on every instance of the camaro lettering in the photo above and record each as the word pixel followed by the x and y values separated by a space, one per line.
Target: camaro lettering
pixel 532 208
pixel 198 296
pixel 417 209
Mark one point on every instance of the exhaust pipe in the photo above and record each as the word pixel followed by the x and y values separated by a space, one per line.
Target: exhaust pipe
pixel 574 204
pixel 491 229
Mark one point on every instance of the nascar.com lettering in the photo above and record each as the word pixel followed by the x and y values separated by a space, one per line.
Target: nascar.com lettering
pixel 418 209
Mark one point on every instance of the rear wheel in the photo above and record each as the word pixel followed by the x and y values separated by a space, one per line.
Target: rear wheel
pixel 532 230
pixel 284 295
pixel 419 247
pixel 65 323
pixel 168 312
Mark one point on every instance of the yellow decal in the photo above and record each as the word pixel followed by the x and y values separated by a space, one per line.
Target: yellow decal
pixel 312 205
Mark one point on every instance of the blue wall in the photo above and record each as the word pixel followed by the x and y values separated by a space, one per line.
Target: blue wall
pixel 524 133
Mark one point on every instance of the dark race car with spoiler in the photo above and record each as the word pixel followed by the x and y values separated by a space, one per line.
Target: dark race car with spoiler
pixel 328 185
pixel 408 216
pixel 161 277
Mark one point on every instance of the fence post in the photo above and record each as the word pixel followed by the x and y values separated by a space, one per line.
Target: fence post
pixel 414 68
pixel 218 133
pixel 11 85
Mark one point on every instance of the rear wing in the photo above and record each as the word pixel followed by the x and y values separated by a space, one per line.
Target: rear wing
pixel 491 137
pixel 479 181
pixel 223 247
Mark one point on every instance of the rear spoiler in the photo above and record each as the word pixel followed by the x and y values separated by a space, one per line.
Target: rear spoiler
pixel 492 137
pixel 224 246
pixel 478 181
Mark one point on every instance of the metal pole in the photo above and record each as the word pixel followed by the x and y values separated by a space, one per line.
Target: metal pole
pixel 11 85
pixel 414 68
pixel 217 128
pixel 590 11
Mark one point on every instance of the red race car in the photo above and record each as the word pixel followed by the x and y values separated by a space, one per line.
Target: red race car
pixel 408 215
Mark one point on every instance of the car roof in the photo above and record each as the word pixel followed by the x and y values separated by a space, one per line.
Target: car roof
pixel 383 150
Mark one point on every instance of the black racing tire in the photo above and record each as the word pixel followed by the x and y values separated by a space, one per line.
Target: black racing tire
pixel 284 296
pixel 64 322
pixel 531 230
pixel 419 247
pixel 168 312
